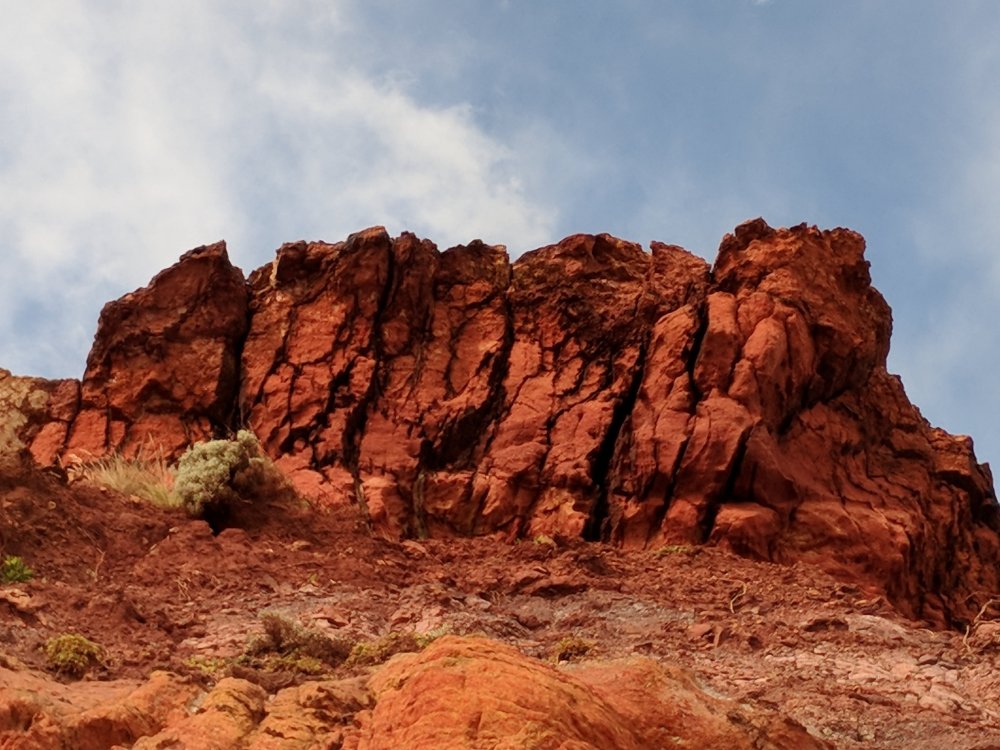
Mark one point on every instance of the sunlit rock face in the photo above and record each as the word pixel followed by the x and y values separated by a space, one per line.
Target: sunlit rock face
pixel 588 390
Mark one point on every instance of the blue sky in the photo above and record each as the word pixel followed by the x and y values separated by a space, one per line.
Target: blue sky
pixel 130 132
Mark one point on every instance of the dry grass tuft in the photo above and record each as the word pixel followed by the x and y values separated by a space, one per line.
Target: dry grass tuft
pixel 149 478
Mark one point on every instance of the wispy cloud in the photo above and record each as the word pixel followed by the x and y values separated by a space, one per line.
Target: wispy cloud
pixel 133 132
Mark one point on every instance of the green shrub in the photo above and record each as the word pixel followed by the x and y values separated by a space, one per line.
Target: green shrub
pixel 217 474
pixel 286 646
pixel 13 570
pixel 72 654
pixel 390 644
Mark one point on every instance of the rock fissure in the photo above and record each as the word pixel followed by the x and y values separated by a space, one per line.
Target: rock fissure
pixel 726 493
pixel 701 315
pixel 354 425
pixel 596 527
pixel 588 390
pixel 497 386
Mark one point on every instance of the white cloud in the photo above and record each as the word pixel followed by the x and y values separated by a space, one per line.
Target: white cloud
pixel 132 132
pixel 372 151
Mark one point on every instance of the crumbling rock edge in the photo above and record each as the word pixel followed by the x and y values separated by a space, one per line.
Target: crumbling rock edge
pixel 588 389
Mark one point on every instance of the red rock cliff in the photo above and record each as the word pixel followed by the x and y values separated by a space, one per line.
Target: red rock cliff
pixel 589 389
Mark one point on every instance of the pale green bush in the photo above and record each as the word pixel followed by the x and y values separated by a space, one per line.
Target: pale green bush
pixel 72 654
pixel 217 474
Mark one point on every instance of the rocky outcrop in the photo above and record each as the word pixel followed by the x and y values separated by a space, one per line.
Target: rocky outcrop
pixel 35 416
pixel 459 693
pixel 475 693
pixel 768 423
pixel 588 390
pixel 38 713
pixel 164 368
pixel 452 391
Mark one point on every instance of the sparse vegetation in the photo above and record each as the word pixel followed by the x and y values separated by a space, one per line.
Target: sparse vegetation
pixel 287 646
pixel 381 649
pixel 148 478
pixel 571 648
pixel 208 479
pixel 215 475
pixel 206 665
pixel 72 655
pixel 13 570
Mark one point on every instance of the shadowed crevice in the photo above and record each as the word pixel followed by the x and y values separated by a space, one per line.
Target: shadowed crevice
pixel 596 528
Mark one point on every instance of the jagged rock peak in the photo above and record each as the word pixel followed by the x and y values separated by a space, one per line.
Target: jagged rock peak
pixel 589 389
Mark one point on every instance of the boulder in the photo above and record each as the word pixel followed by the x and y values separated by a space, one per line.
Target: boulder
pixel 470 693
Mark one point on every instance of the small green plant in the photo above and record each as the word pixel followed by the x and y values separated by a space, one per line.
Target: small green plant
pixel 286 646
pixel 71 654
pixel 217 474
pixel 206 665
pixel 13 570
pixel 381 649
pixel 544 540
pixel 571 648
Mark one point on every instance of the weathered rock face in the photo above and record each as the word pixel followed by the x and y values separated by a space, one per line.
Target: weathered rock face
pixel 784 437
pixel 451 391
pixel 589 389
pixel 475 693
pixel 164 368
pixel 38 713
pixel 35 416
pixel 460 693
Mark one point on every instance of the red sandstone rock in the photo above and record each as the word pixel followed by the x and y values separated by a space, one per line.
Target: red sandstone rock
pixel 35 415
pixel 164 368
pixel 588 390
pixel 474 693
pixel 37 713
pixel 224 718
pixel 459 693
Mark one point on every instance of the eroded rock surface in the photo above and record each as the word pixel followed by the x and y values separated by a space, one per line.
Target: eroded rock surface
pixel 35 415
pixel 37 713
pixel 164 368
pixel 475 693
pixel 589 389
pixel 461 693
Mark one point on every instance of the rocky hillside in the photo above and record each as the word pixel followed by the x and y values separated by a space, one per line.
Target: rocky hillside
pixel 589 390
pixel 142 629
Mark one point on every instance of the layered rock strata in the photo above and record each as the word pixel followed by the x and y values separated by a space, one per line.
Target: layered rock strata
pixel 587 390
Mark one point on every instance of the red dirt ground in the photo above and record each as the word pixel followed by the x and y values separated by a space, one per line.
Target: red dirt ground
pixel 156 589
